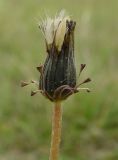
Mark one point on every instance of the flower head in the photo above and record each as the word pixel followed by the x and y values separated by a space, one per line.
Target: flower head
pixel 58 74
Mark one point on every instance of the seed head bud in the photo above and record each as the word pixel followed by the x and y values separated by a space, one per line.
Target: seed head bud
pixel 58 74
pixel 59 67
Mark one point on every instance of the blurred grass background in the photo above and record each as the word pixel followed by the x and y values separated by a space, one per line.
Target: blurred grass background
pixel 90 121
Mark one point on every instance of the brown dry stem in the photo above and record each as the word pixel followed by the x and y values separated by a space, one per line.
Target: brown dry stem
pixel 56 131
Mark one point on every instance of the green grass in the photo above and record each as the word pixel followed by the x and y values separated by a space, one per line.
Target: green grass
pixel 90 121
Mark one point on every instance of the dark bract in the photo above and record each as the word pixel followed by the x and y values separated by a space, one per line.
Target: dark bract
pixel 58 76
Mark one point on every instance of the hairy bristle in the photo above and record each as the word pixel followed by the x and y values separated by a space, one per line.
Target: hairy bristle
pixel 55 29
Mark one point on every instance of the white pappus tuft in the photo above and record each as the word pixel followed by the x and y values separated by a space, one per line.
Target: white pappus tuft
pixel 54 30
